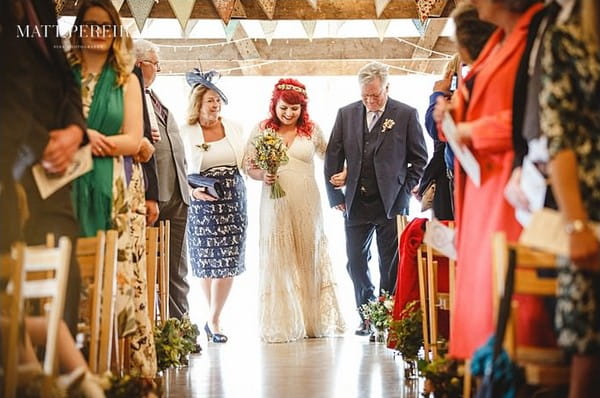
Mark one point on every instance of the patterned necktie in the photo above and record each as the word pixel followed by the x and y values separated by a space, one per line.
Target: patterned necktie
pixel 159 109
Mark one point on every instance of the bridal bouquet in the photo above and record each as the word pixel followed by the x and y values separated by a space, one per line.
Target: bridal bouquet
pixel 270 154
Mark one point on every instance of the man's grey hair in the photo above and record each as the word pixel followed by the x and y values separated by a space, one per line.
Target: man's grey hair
pixel 372 71
pixel 143 48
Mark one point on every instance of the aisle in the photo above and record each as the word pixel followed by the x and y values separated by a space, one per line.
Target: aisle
pixel 348 367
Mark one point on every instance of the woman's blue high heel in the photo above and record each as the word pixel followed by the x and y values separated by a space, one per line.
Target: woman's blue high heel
pixel 215 337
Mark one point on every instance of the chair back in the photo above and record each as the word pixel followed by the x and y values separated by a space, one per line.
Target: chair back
pixel 152 255
pixel 12 277
pixel 164 243
pixel 90 257
pixel 54 264
pixel 97 258
pixel 542 365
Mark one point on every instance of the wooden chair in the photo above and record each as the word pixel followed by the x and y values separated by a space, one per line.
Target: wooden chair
pixel 542 366
pixel 12 277
pixel 164 242
pixel 152 255
pixel 97 257
pixel 43 260
pixel 90 257
pixel 401 222
pixel 431 299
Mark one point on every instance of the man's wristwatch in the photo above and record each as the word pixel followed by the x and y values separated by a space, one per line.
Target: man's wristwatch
pixel 574 226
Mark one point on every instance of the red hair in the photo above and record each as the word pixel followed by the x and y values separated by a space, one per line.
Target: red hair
pixel 293 92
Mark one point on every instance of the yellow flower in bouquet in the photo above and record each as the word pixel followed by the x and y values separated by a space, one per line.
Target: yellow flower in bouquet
pixel 271 153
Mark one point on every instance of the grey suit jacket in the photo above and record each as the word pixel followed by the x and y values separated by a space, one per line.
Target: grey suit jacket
pixel 170 160
pixel 399 158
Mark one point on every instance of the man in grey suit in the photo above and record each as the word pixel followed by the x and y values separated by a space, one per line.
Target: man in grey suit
pixel 381 143
pixel 173 195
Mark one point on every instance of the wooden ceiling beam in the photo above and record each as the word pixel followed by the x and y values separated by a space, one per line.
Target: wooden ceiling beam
pixel 298 49
pixel 292 68
pixel 293 9
pixel 427 43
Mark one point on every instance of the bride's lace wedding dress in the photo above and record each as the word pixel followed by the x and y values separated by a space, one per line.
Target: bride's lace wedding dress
pixel 297 293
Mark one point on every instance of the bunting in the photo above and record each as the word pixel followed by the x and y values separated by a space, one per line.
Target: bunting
pixel 117 4
pixel 58 6
pixel 334 28
pixel 224 9
pixel 230 28
pixel 140 9
pixel 182 10
pixel 268 28
pixel 380 5
pixel 421 26
pixel 238 10
pixel 381 26
pixel 313 4
pixel 268 6
pixel 424 8
pixel 309 28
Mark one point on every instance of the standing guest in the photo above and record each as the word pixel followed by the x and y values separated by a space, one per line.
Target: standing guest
pixel 173 194
pixel 483 112
pixel 216 228
pixel 297 296
pixel 529 143
pixel 381 142
pixel 570 117
pixel 471 35
pixel 40 121
pixel 112 194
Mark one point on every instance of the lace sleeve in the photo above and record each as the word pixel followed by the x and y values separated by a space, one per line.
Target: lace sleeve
pixel 250 151
pixel 319 141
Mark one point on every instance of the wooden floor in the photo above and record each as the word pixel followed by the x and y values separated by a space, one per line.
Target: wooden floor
pixel 348 367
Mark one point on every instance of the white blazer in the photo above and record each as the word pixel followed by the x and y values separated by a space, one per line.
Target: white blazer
pixel 193 138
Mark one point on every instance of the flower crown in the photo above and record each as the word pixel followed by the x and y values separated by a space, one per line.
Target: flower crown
pixel 291 87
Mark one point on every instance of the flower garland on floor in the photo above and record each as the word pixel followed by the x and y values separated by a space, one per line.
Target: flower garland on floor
pixel 379 311
pixel 407 332
pixel 174 340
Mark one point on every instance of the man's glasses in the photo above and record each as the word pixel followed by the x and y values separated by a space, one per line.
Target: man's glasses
pixel 156 64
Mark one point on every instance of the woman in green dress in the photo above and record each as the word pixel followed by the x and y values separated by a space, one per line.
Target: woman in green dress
pixel 111 196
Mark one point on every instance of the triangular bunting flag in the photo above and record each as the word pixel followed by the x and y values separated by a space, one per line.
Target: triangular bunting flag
pixel 230 28
pixel 309 28
pixel 421 26
pixel 117 4
pixel 58 6
pixel 380 6
pixel 268 28
pixel 334 27
pixel 238 10
pixel 268 6
pixel 424 8
pixel 381 26
pixel 224 9
pixel 313 4
pixel 182 10
pixel 140 9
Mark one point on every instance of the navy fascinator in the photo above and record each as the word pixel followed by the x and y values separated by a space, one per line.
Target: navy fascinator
pixel 208 79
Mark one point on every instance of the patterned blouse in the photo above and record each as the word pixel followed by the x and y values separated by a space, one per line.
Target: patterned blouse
pixel 570 105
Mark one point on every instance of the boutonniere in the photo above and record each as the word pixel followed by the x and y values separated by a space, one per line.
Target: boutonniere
pixel 204 146
pixel 387 125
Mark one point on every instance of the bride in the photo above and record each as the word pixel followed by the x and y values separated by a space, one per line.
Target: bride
pixel 297 294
